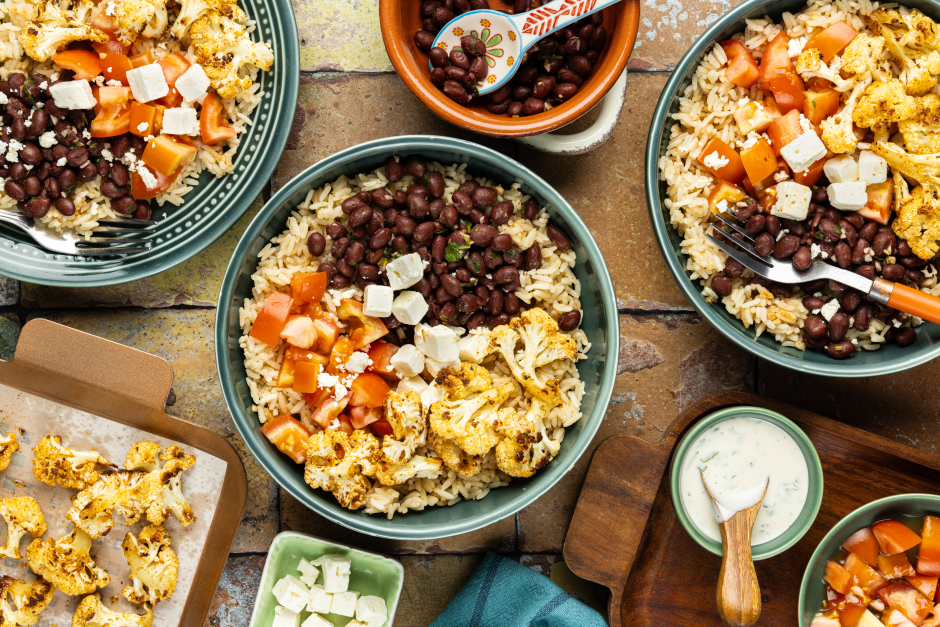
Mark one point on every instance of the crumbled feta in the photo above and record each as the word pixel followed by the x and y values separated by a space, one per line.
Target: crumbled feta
pixel 795 47
pixel 61 162
pixel 86 134
pixel 715 161
pixel 405 271
pixel 150 181
pixel 780 176
pixel 805 124
pixel 358 362
pixel 872 168
pixel 47 139
pixel 916 321
pixel 408 361
pixel 114 83
pixel 320 600
pixel 13 151
pixel 434 366
pixel 337 296
pixel 829 309
pixel 815 250
pixel 781 234
pixel 344 603
pixel 377 301
pixel 848 196
pixel 180 121
pixel 752 139
pixel 854 342
pixel 841 169
pixel 722 206
pixel 107 154
pixel 4 99
pixel 28 122
pixel 147 82
pixel 73 95
pixel 193 83
pixel 803 151
pixel 792 201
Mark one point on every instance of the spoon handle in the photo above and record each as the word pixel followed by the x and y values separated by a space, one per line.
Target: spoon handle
pixel 536 24
pixel 739 600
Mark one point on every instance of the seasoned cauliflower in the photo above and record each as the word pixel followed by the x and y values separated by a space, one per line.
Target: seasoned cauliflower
pixel 526 445
pixel 53 30
pixel 224 49
pixel 455 457
pixel 162 489
pixel 418 466
pixel 922 130
pixel 542 344
pixel 134 17
pixel 912 41
pixel 838 134
pixel 153 565
pixel 91 612
pixel 918 219
pixel 471 422
pixel 72 469
pixel 143 456
pixel 810 65
pixel 459 384
pixel 22 514
pixel 862 54
pixel 405 414
pixel 30 599
pixel 338 462
pixel 8 446
pixel 884 103
pixel 66 564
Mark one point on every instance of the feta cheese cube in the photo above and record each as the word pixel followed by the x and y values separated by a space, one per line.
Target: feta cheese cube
pixel 320 600
pixel 803 151
pixel 872 168
pixel 841 169
pixel 315 620
pixel 344 603
pixel 378 301
pixel 792 201
pixel 405 271
pixel 291 593
pixel 74 94
pixel 147 83
pixel 752 118
pixel 431 395
pixel 409 307
pixel 440 343
pixel 434 366
pixel 307 569
pixel 848 196
pixel 335 573
pixel 408 361
pixel 474 348
pixel 180 121
pixel 308 581
pixel 193 83
pixel 412 384
pixel 284 617
pixel 370 610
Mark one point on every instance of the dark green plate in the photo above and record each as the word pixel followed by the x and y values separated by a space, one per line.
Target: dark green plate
pixel 209 210
pixel 600 323
pixel 888 359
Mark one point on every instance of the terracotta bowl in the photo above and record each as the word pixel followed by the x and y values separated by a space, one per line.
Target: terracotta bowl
pixel 400 20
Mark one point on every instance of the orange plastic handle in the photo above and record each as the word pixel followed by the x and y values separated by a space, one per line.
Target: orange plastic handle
pixel 915 302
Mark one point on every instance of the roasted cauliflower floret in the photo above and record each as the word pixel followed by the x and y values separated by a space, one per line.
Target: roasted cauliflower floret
pixel 72 469
pixel 337 462
pixel 23 515
pixel 224 49
pixel 133 17
pixel 143 456
pixel 405 414
pixel 918 221
pixel 912 41
pixel 459 384
pixel 884 103
pixel 526 445
pixel 810 65
pixel 91 612
pixel 29 599
pixel 192 10
pixel 153 565
pixel 162 489
pixel 66 564
pixel 455 457
pixel 8 446
pixel 471 422
pixel 53 30
pixel 862 54
pixel 838 134
pixel 418 466
pixel 922 130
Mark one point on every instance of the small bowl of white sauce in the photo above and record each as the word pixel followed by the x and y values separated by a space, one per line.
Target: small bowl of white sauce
pixel 739 450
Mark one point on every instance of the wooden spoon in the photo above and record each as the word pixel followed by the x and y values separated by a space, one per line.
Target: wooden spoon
pixel 738 591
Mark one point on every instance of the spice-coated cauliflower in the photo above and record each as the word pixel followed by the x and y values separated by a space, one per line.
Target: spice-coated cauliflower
pixel 884 103
pixel 542 343
pixel 162 490
pixel 154 566
pixel 143 456
pixel 30 598
pixel 91 612
pixel 192 10
pixel 72 469
pixel 912 41
pixel 810 65
pixel 53 30
pixel 921 130
pixel 22 515
pixel 470 379
pixel 471 422
pixel 409 424
pixel 526 445
pixel 338 462
pixel 224 49
pixel 418 466
pixel 132 18
pixel 862 54
pixel 66 564
pixel 455 457
pixel 838 134
pixel 8 446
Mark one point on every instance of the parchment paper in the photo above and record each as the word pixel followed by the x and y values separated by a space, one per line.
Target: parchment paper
pixel 32 418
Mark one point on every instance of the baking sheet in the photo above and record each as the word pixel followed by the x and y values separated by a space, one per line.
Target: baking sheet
pixel 32 418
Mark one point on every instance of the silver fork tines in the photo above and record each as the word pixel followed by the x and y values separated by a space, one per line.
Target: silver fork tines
pixel 754 264
pixel 70 243
pixel 734 226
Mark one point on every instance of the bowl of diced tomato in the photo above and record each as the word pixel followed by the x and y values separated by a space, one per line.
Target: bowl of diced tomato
pixel 878 567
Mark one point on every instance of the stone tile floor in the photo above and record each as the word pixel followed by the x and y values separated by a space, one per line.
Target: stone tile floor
pixel 669 357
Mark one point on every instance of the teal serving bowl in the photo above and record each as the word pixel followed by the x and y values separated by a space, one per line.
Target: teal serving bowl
pixel 210 209
pixel 813 498
pixel 600 323
pixel 813 589
pixel 887 359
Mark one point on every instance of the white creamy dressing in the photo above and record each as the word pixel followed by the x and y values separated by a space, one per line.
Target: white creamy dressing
pixel 739 457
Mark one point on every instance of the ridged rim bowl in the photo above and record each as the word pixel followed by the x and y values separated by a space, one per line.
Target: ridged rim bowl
pixel 600 323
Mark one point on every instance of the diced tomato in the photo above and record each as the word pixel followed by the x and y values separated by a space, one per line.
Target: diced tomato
pixel 316 399
pixel 166 155
pixel 308 287
pixel 303 354
pixel 139 189
pixel 926 585
pixel 305 376
pixel 895 566
pixel 903 597
pixel 381 355
pixel 328 334
pixel 115 67
pixel 894 537
pixel 838 577
pixel 880 199
pixel 732 171
pixel 778 75
pixel 928 556
pixel 345 424
pixel 271 319
pixel 811 175
pixel 832 40
pixel 784 130
pixel 289 436
pixel 381 428
pixel 742 69
pixel 759 160
pixel 369 390
pixel 868 578
pixel 850 610
pixel 142 114
pixel 329 410
pixel 756 116
pixel 364 416
pixel 173 65
pixel 110 47
pixel 788 92
pixel 142 59
pixel 285 376
pixel 342 351
pixel 363 329
pixel 213 126
pixel 819 105
pixel 84 63
pixel 862 543
pixel 114 112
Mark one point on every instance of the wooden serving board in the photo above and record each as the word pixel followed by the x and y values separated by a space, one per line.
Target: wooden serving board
pixel 625 535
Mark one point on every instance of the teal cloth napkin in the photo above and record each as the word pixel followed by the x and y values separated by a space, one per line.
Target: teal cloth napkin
pixel 503 593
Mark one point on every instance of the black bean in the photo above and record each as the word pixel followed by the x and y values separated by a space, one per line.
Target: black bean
pixel 439 248
pixel 764 244
pixel 786 246
pixel 39 206
pixel 565 92
pixel 558 237
pixel 424 40
pixel 88 172
pixel 33 185
pixel 483 197
pixel 339 281
pixel 906 336
pixel 868 231
pixel 733 268
pixel 851 300
pixel 803 258
pixel 473 45
pixel 438 57
pixel 454 73
pixel 110 190
pixel 51 186
pixel 30 154
pixel 863 315
pixel 124 205
pixel 441 16
pixel 369 272
pixel 119 174
pixel 474 263
pixel 450 283
pixel 755 224
pixel 907 262
pixel 843 255
pixel 841 350
pixel 15 190
pixel 456 92
pixel 581 65
pixel 904 249
pixel 340 247
pixel 65 206
pixel 544 85
pixel 468 303
pixel 393 168
pixel 506 274
pixel 418 207
pixel 355 252
pixel 360 217
pixel 533 106
pixel 892 271
pixel 813 303
pixel 815 327
pixel 376 222
pixel 866 270
pixel 335 230
pixel 380 238
pixel 883 242
pixel 483 234
pixel 67 179
pixel 424 232
pixel 316 244
pixel 838 326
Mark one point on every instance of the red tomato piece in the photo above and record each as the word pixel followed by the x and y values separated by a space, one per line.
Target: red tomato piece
pixel 308 287
pixel 328 334
pixel 819 105
pixel 345 424
pixel 271 319
pixel 784 130
pixel 904 598
pixel 361 417
pixel 731 171
pixel 329 410
pixel 832 40
pixel 173 65
pixel 811 175
pixel 838 577
pixel 115 67
pixel 849 608
pixel 928 556
pixel 139 189
pixel 759 160
pixel 84 63
pixel 303 354
pixel 213 126
pixel 342 351
pixel 285 376
pixel 316 399
pixel 742 69
pixel 142 114
pixel 776 60
pixel 113 112
pixel 381 355
pixel 363 329
pixel 381 428
pixel 289 436
pixel 142 59
pixel 895 566
pixel 894 537
pixel 305 376
pixel 880 200
pixel 788 91
pixel 868 578
pixel 166 155
pixel 927 586
pixel 368 390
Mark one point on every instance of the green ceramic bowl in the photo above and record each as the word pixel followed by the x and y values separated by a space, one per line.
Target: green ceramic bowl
pixel 812 590
pixel 813 499
pixel 600 324
pixel 372 574
pixel 888 359
pixel 209 210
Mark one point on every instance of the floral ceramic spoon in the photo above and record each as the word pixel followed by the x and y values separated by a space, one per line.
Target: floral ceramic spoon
pixel 507 37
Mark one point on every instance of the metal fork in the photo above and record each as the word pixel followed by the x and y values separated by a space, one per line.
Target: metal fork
pixel 69 243
pixel 881 290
